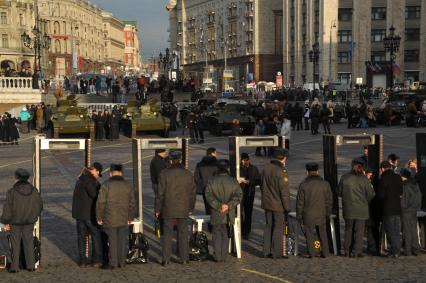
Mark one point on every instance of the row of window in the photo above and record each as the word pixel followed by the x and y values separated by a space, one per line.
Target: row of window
pixel 379 56
pixel 377 35
pixel 379 13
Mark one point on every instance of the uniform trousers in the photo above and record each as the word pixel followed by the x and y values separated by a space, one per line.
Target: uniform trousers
pixel 354 235
pixel 273 234
pixel 220 241
pixel 24 233
pixel 182 239
pixel 311 232
pixel 118 240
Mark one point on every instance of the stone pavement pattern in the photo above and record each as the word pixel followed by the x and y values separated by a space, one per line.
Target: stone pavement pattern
pixel 59 237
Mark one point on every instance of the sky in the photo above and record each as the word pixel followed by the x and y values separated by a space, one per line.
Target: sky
pixel 151 16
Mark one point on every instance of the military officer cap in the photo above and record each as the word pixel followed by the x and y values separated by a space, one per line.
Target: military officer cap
pixel 116 167
pixel 175 155
pixel 244 156
pixel 22 174
pixel 358 161
pixel 280 153
pixel 312 166
pixel 223 163
pixel 406 173
pixel 159 150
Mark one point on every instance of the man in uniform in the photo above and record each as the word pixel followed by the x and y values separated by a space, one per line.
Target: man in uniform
pixel 115 209
pixel 275 202
pixel 83 211
pixel 250 179
pixel 223 195
pixel 175 201
pixel 158 164
pixel 21 210
pixel 314 206
pixel 356 192
pixel 204 171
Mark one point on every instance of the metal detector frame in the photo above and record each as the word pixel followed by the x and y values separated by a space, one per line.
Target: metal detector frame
pixel 235 144
pixel 330 144
pixel 41 143
pixel 138 145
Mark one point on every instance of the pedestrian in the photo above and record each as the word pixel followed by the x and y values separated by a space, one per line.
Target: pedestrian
pixel 236 130
pixel 223 195
pixel 100 122
pixel 306 115
pixel 204 171
pixel 25 118
pixel 390 193
pixel 98 85
pixel 275 202
pixel 286 127
pixel 411 202
pixel 250 180
pixel 315 117
pixel 115 209
pixel 191 124
pixel 259 130
pixel 175 201
pixel 349 114
pixel 298 115
pixel 393 159
pixel 114 126
pixel 21 210
pixel 375 219
pixel 107 127
pixel 314 204
pixel 115 91
pixel 40 118
pixel 158 164
pixel 324 118
pixel 84 212
pixel 356 192
pixel 12 133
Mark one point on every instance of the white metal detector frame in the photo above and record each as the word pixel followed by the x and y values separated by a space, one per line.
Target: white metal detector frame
pixel 248 142
pixel 150 144
pixel 42 143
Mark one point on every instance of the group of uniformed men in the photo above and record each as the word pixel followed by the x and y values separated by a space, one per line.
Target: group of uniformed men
pixel 111 206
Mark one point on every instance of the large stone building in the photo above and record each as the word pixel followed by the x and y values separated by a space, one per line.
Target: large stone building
pixel 247 33
pixel 16 17
pixel 114 42
pixel 350 36
pixel 132 57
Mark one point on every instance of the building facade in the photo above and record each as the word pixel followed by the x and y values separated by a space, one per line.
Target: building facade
pixel 132 57
pixel 16 17
pixel 245 36
pixel 114 43
pixel 350 36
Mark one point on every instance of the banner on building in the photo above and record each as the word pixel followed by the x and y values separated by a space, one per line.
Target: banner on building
pixel 279 80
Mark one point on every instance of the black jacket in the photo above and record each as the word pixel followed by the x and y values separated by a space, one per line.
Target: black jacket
pixel 314 201
pixel 23 205
pixel 275 188
pixel 411 201
pixel 176 193
pixel 252 174
pixel 390 193
pixel 204 171
pixel 157 165
pixel 84 197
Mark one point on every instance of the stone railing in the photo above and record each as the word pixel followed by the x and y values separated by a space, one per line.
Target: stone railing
pixel 16 83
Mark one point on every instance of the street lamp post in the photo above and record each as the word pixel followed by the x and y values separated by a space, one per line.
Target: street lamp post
pixel 314 58
pixel 38 42
pixel 166 61
pixel 392 43
pixel 333 25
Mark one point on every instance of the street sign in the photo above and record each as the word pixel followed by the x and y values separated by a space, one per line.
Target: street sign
pixel 227 74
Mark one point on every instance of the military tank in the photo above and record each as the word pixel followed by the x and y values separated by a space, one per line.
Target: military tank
pixel 218 119
pixel 71 120
pixel 145 118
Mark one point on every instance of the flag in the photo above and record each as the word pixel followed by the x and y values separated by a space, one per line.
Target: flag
pixel 396 68
pixel 377 67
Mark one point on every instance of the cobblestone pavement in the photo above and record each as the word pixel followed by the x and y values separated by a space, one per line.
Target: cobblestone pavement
pixel 59 248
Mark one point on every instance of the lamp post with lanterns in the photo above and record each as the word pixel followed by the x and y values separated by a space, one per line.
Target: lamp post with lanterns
pixel 166 61
pixel 38 42
pixel 392 43
pixel 314 58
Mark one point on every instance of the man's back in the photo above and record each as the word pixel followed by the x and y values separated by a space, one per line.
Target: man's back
pixel 314 200
pixel 204 171
pixel 275 190
pixel 390 191
pixel 176 192
pixel 116 202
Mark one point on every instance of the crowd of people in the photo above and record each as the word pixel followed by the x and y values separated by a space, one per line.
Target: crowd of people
pixel 373 203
